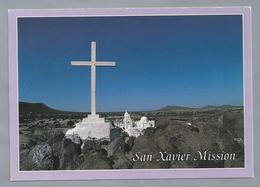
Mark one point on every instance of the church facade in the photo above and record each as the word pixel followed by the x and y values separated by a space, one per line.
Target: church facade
pixel 135 128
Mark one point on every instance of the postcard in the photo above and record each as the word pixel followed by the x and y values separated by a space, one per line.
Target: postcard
pixel 130 93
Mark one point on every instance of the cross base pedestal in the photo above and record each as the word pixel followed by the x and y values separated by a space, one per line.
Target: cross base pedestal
pixel 92 127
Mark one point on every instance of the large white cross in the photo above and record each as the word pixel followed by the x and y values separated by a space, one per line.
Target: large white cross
pixel 93 63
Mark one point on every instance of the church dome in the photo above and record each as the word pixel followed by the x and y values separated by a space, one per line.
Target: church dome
pixel 144 119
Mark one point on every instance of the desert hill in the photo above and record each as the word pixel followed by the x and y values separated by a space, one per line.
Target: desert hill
pixel 36 108
pixel 208 107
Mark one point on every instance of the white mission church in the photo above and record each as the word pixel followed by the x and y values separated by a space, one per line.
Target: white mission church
pixel 134 128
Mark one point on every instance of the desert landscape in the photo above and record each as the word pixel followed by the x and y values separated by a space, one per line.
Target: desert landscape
pixel 215 129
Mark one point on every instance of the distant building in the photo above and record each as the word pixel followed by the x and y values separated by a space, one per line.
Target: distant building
pixel 134 128
pixel 145 123
pixel 127 121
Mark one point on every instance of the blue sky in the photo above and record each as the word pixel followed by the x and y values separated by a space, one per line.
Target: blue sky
pixel 161 60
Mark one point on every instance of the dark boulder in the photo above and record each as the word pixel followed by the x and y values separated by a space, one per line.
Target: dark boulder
pixel 121 162
pixel 91 145
pixel 69 154
pixel 55 136
pixel 95 160
pixel 40 158
pixel 117 146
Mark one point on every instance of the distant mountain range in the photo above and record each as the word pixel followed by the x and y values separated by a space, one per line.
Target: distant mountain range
pixel 41 108
pixel 208 107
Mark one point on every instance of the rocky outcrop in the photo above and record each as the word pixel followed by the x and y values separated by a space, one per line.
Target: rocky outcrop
pixel 69 155
pixel 173 138
pixel 39 158
pixel 95 160
pixel 118 151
